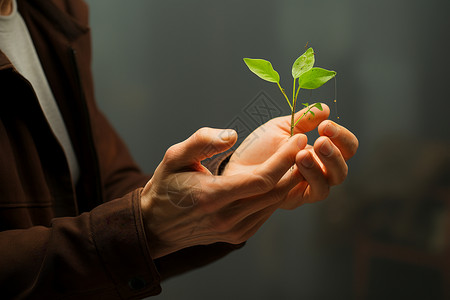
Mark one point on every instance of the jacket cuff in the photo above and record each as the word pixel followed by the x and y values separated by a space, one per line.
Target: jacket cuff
pixel 119 236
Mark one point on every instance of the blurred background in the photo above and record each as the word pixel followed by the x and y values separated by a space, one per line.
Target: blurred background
pixel 163 69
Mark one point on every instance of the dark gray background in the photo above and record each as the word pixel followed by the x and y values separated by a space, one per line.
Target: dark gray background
pixel 163 69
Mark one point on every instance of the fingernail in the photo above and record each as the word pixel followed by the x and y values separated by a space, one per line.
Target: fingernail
pixel 330 130
pixel 326 149
pixel 308 161
pixel 228 135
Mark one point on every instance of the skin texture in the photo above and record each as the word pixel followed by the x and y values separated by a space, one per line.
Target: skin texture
pixel 5 7
pixel 185 205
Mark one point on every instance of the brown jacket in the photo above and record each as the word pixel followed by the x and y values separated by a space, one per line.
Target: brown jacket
pixel 58 240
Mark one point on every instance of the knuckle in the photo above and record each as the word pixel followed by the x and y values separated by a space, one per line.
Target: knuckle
pixel 355 146
pixel 278 196
pixel 236 237
pixel 202 135
pixel 207 207
pixel 221 225
pixel 344 173
pixel 340 178
pixel 324 192
pixel 320 194
pixel 294 205
pixel 171 153
pixel 241 240
pixel 246 235
pixel 263 183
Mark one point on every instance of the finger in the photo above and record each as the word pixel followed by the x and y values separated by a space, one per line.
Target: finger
pixel 290 179
pixel 203 144
pixel 237 211
pixel 318 187
pixel 309 122
pixel 262 179
pixel 291 184
pixel 345 140
pixel 295 197
pixel 239 232
pixel 247 227
pixel 333 162
pixel 278 164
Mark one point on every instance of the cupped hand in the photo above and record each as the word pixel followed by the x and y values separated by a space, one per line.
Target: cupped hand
pixel 316 168
pixel 185 205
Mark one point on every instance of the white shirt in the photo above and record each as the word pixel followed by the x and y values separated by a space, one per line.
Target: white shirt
pixel 16 44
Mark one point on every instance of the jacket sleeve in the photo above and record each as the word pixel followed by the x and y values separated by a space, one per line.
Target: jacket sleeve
pixel 102 253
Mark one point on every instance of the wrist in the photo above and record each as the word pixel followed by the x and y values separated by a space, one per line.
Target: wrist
pixel 156 223
pixel 145 201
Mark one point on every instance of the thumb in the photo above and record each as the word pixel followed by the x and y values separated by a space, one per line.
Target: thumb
pixel 203 144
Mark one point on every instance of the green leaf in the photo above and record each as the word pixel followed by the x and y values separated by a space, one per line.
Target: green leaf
pixel 305 104
pixel 318 105
pixel 312 113
pixel 315 78
pixel 263 69
pixel 303 64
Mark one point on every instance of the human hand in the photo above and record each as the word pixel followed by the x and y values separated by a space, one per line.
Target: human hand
pixel 184 205
pixel 316 168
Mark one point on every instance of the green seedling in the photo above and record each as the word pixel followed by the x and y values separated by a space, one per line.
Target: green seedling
pixel 303 72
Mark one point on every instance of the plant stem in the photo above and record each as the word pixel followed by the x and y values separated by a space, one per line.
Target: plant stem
pixel 304 114
pixel 293 91
pixel 292 122
pixel 294 102
pixel 298 90
pixel 285 96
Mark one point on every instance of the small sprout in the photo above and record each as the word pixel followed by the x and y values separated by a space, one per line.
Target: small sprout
pixel 303 72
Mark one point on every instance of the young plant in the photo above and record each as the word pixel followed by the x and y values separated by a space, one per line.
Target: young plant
pixel 308 77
